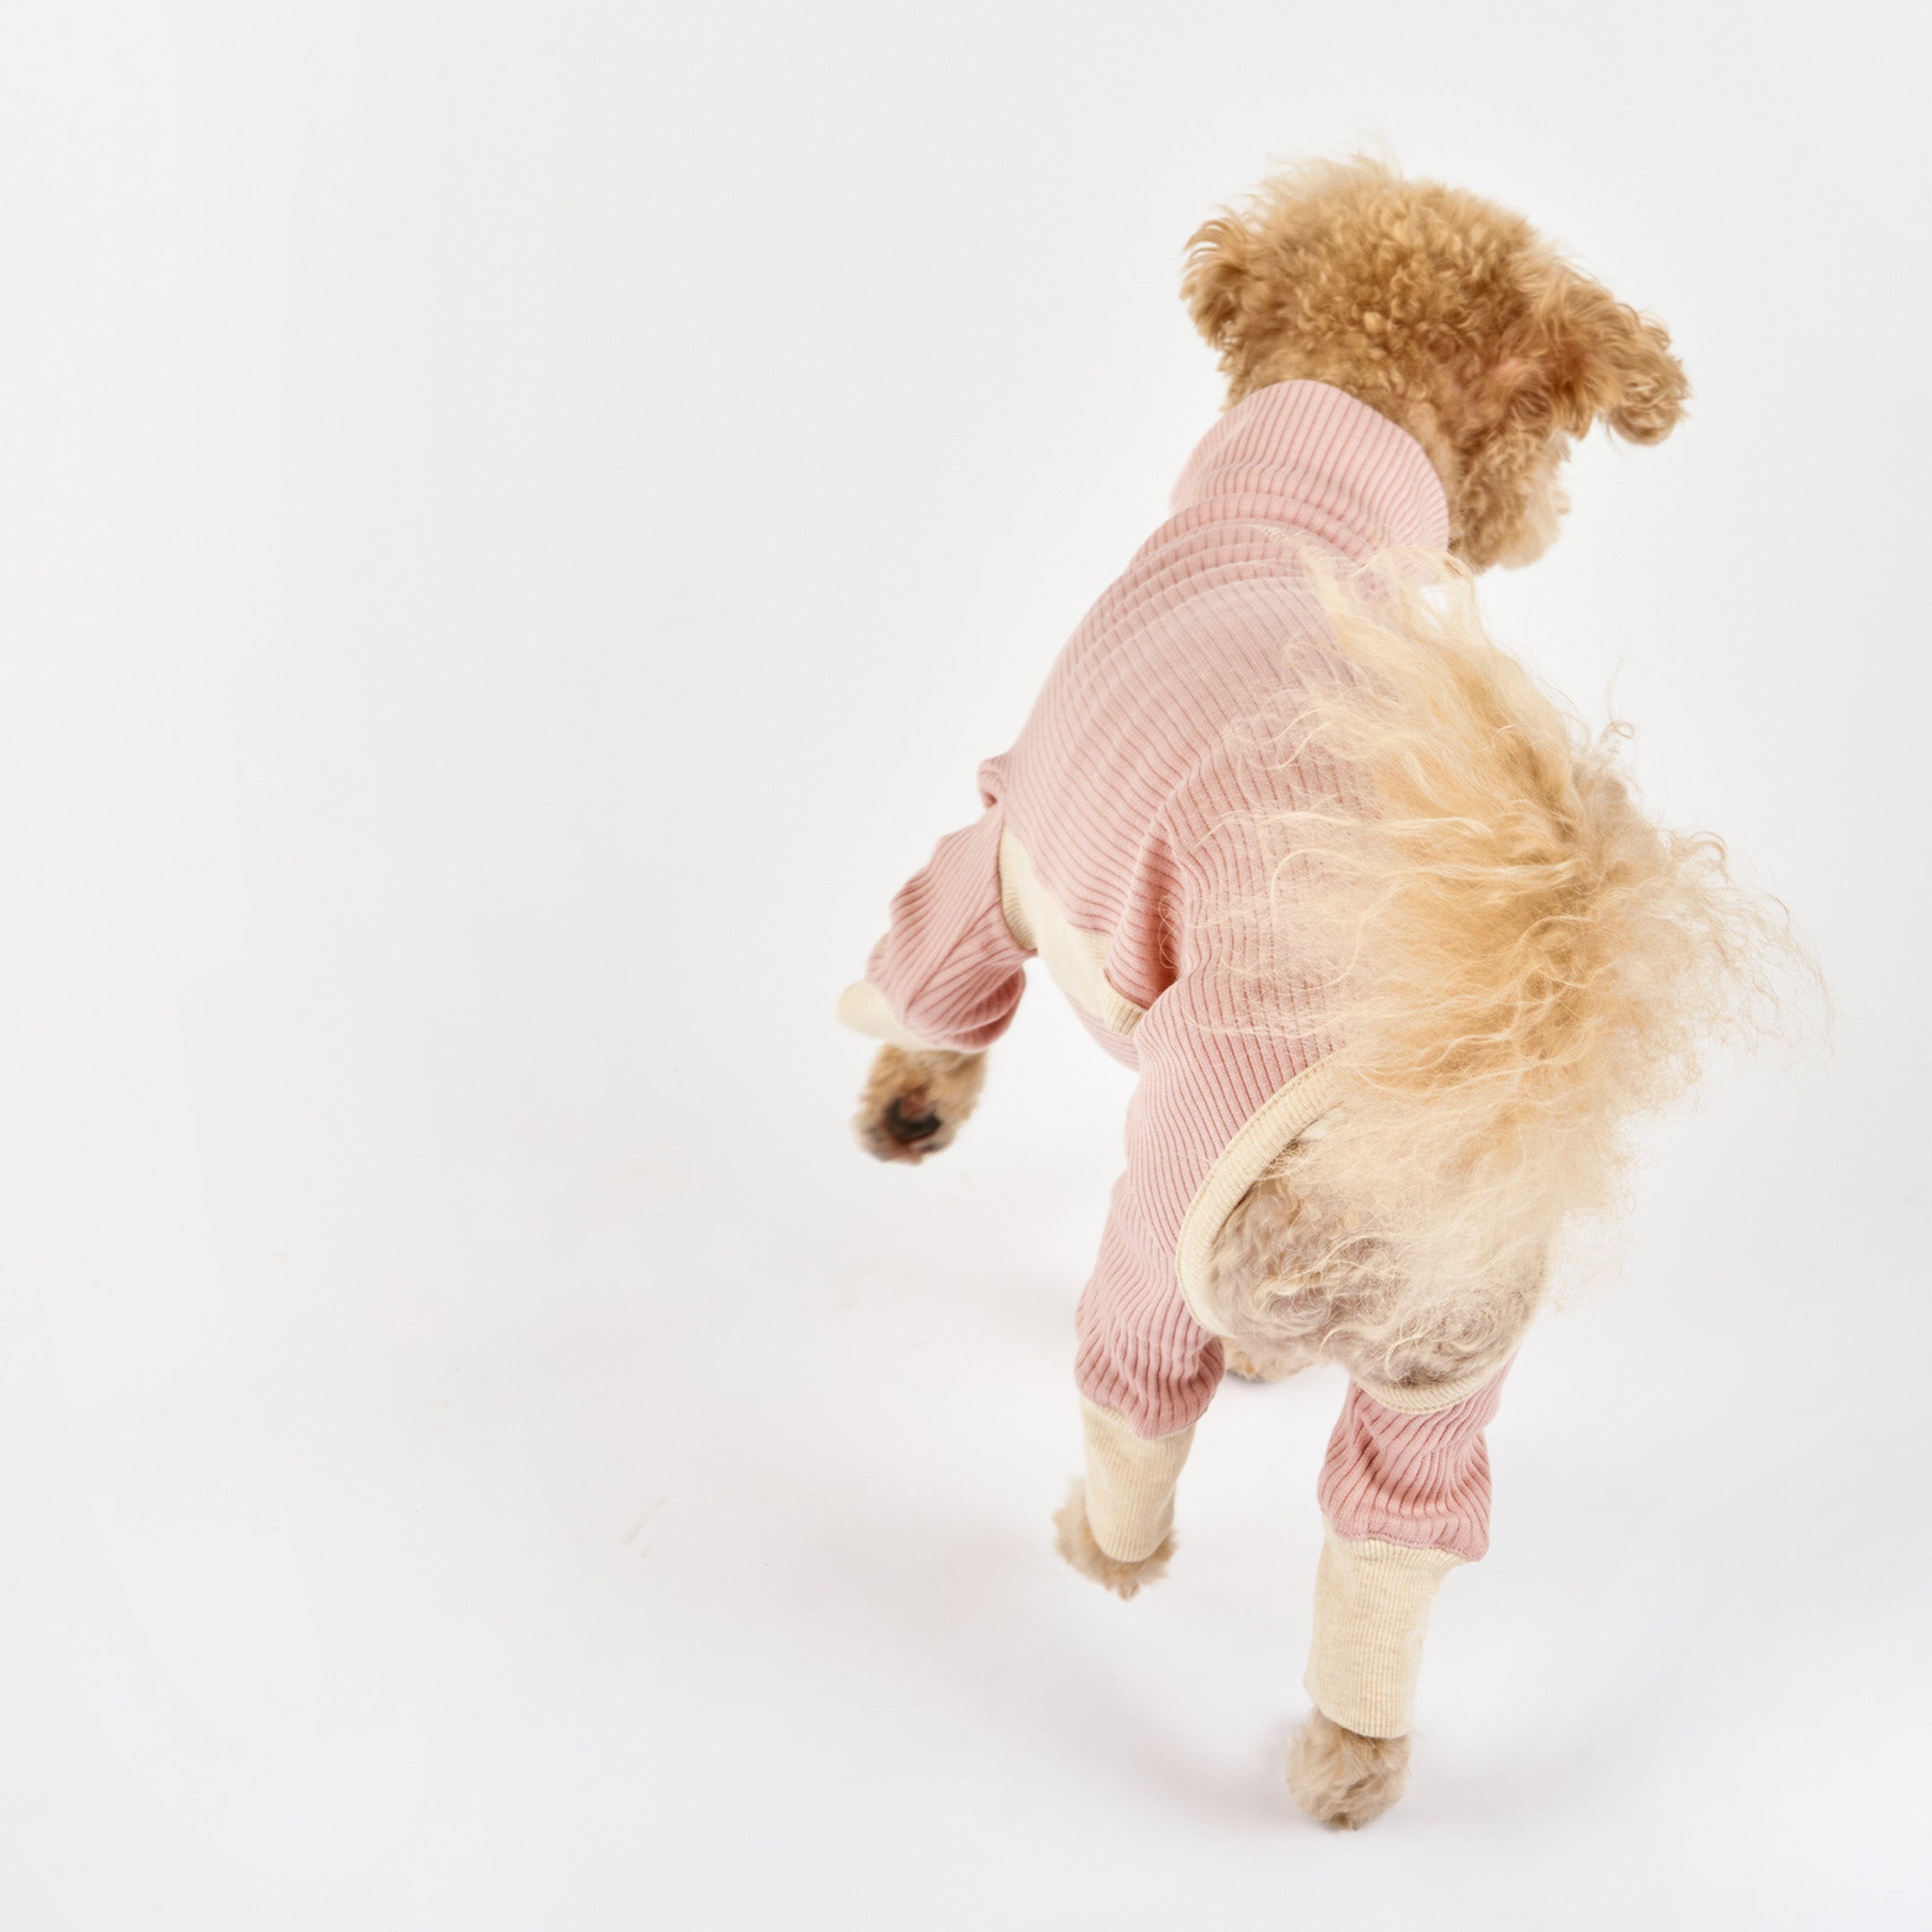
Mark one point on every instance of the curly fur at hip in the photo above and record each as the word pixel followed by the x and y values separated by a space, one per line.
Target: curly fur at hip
pixel 1339 1777
pixel 1300 1284
pixel 1073 1537
pixel 1517 965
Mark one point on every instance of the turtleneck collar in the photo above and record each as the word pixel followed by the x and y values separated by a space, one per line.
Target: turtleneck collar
pixel 1312 456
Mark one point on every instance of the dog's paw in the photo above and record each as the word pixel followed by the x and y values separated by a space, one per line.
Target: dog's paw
pixel 1073 1537
pixel 1339 1777
pixel 915 1102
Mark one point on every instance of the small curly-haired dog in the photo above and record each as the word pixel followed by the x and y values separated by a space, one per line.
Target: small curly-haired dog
pixel 1394 953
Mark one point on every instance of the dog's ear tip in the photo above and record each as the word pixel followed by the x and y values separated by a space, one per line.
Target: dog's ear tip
pixel 1654 400
pixel 1614 365
pixel 1644 428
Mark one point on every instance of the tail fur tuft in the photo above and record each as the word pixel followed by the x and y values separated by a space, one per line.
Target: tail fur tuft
pixel 1520 963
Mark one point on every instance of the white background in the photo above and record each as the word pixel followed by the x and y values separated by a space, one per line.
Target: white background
pixel 516 524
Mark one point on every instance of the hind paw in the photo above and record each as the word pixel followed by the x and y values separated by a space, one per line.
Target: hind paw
pixel 1341 1778
pixel 1073 1537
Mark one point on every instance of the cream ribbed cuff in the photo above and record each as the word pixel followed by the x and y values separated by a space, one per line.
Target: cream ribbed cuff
pixel 863 1008
pixel 1130 1483
pixel 1372 1602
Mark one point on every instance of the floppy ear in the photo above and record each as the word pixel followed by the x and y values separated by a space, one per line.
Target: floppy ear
pixel 1217 266
pixel 1606 362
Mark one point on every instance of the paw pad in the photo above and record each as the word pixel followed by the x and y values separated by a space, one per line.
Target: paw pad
pixel 904 1131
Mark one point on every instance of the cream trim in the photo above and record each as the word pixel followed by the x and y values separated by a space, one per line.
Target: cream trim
pixel 1431 1396
pixel 1076 958
pixel 1129 1482
pixel 864 1009
pixel 1014 865
pixel 1242 1162
pixel 1372 1603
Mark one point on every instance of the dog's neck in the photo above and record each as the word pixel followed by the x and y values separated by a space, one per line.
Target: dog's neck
pixel 1323 461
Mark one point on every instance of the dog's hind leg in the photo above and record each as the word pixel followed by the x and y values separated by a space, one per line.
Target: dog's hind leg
pixel 1339 1777
pixel 1405 1491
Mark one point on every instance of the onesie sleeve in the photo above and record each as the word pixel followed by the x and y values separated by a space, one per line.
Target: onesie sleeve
pixel 948 974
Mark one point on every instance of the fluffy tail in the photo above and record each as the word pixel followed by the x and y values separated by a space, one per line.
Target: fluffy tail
pixel 1520 963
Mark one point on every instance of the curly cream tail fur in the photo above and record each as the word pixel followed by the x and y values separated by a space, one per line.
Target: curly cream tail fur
pixel 1518 963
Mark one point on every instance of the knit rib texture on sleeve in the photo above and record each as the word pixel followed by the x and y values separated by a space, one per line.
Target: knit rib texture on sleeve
pixel 948 966
pixel 1420 1480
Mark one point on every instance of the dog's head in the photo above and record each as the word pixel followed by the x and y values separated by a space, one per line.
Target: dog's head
pixel 1448 314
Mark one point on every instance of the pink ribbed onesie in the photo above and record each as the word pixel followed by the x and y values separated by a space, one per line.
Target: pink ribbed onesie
pixel 1118 837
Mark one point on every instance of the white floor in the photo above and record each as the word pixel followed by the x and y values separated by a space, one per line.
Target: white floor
pixel 516 525
pixel 668 1546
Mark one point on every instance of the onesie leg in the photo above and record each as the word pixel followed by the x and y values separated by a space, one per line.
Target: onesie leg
pixel 1406 1496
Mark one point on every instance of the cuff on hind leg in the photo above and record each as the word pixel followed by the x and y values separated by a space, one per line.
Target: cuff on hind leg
pixel 1372 1602
pixel 1129 1482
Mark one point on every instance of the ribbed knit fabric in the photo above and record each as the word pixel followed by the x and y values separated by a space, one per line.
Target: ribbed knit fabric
pixel 1130 1483
pixel 1372 1604
pixel 1135 792
pixel 1422 1480
pixel 1407 1498
pixel 949 966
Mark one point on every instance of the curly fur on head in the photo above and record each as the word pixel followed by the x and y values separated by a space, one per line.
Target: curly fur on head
pixel 1519 964
pixel 1446 314
pixel 1342 1778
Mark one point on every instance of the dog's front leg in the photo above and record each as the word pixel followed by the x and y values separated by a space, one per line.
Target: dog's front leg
pixel 916 1100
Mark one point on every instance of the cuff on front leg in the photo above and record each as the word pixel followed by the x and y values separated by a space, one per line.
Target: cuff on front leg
pixel 1129 1482
pixel 866 1010
pixel 1372 1602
